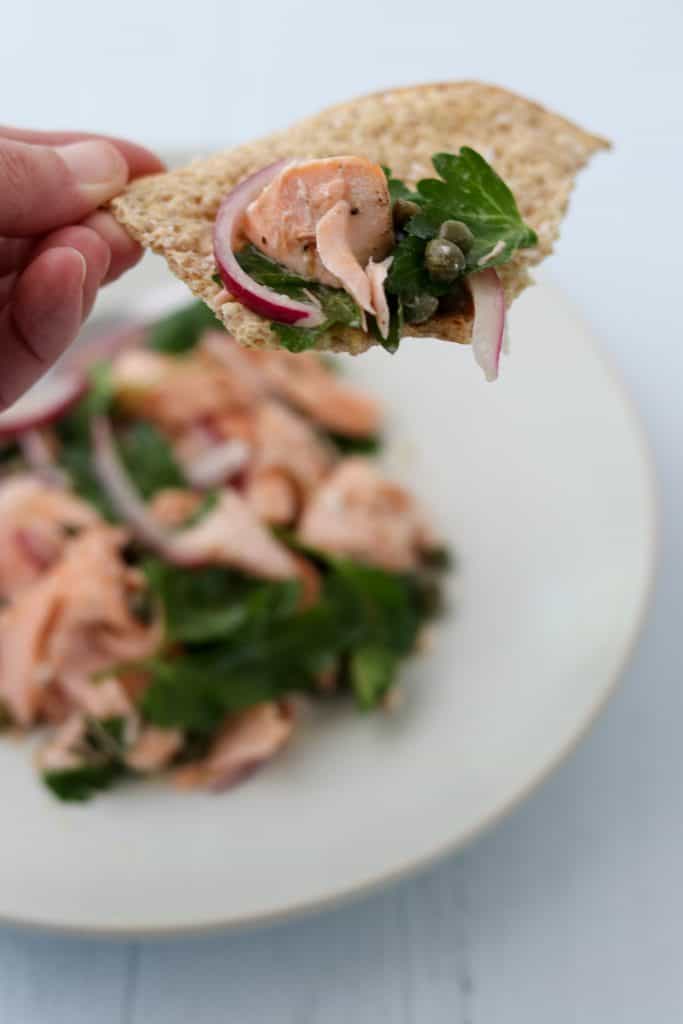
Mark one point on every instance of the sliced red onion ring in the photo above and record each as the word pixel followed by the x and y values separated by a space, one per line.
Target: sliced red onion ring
pixel 44 402
pixel 218 464
pixel 39 458
pixel 127 502
pixel 257 297
pixel 489 319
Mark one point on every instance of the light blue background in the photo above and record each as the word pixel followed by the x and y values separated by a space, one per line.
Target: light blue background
pixel 572 909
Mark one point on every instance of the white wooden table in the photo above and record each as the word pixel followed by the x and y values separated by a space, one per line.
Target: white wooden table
pixel 572 909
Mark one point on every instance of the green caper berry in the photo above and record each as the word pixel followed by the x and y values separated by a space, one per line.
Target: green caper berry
pixel 420 308
pixel 403 210
pixel 456 231
pixel 443 259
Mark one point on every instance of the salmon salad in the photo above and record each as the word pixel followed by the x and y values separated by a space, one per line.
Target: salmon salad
pixel 339 242
pixel 197 544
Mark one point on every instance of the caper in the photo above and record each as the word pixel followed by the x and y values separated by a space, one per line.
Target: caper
pixel 420 308
pixel 443 259
pixel 456 231
pixel 403 210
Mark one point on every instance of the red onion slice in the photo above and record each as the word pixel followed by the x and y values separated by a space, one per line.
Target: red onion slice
pixel 127 502
pixel 39 458
pixel 489 319
pixel 45 401
pixel 257 297
pixel 218 464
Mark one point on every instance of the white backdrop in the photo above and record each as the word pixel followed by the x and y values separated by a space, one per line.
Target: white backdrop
pixel 572 910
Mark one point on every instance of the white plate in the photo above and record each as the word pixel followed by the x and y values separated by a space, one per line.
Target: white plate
pixel 543 485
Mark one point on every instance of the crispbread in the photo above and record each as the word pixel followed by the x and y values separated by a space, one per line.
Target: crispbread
pixel 536 152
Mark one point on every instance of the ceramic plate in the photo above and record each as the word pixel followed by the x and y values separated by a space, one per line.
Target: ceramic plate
pixel 543 486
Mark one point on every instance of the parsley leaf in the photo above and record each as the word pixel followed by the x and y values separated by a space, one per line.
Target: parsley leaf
pixel 180 331
pixel 144 450
pixel 79 784
pixel 371 671
pixel 337 305
pixel 148 459
pixel 472 192
pixel 254 642
pixel 205 604
pixel 468 190
pixel 397 189
pixel 271 274
pixel 346 445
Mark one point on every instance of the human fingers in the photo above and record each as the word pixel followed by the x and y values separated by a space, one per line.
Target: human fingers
pixel 42 188
pixel 42 316
pixel 139 159
pixel 94 250
pixel 125 253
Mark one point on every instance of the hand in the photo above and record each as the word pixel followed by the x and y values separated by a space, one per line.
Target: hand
pixel 56 246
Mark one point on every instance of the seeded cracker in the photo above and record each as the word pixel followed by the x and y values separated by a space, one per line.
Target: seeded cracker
pixel 537 154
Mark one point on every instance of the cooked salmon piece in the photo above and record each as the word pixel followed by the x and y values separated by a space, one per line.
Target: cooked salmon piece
pixel 36 524
pixel 325 219
pixel 273 496
pixel 64 749
pixel 377 275
pixel 105 698
pixel 300 379
pixel 335 252
pixel 305 382
pixel 176 392
pixel 285 441
pixel 225 352
pixel 153 749
pixel 358 513
pixel 75 620
pixel 246 741
pixel 173 506
pixel 231 535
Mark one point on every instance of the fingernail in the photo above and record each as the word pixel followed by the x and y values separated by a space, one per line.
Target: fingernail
pixel 97 166
pixel 84 265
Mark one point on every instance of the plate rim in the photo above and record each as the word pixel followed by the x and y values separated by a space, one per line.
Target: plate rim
pixel 355 892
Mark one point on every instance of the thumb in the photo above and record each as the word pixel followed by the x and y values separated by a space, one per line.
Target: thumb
pixel 44 187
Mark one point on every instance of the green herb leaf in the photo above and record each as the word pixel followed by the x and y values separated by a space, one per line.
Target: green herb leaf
pixel 180 331
pixel 258 644
pixel 372 671
pixel 148 459
pixel 79 784
pixel 472 192
pixel 144 450
pixel 393 339
pixel 337 305
pixel 397 189
pixel 271 274
pixel 468 190
pixel 355 445
pixel 208 604
pixel 297 339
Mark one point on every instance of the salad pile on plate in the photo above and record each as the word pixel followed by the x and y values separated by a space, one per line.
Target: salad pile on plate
pixel 192 536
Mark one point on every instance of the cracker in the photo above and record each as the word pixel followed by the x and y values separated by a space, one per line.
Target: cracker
pixel 536 152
